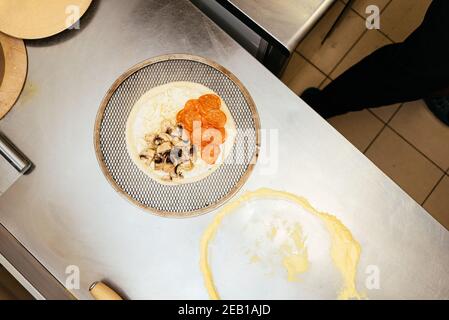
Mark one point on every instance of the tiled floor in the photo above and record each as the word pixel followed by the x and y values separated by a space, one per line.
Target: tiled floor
pixel 405 140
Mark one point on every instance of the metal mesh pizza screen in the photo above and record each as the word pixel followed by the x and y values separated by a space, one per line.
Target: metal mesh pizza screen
pixel 185 199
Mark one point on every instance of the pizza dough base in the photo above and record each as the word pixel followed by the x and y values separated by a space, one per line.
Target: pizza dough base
pixel 163 103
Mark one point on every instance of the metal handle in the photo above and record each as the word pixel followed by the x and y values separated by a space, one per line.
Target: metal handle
pixel 11 154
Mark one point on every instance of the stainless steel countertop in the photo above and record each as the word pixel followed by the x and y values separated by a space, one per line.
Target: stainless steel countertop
pixel 65 212
pixel 287 21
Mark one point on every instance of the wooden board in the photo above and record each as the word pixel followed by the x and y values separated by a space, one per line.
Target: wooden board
pixel 36 19
pixel 14 60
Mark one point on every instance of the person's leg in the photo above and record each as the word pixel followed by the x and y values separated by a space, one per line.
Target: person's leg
pixel 395 73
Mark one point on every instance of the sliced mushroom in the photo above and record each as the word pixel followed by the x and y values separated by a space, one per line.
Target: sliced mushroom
pixel 150 153
pixel 158 163
pixel 158 159
pixel 170 150
pixel 166 157
pixel 178 142
pixel 158 166
pixel 147 156
pixel 169 168
pixel 145 159
pixel 149 138
pixel 164 147
pixel 178 169
pixel 175 175
pixel 167 126
pixel 185 166
pixel 165 137
pixel 157 141
pixel 177 131
pixel 176 155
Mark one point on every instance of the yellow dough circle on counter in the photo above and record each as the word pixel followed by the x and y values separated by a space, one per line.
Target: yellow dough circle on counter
pixel 345 250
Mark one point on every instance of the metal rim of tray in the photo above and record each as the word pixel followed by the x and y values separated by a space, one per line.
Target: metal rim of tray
pixel 169 57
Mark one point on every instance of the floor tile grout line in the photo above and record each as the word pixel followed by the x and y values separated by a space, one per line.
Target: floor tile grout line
pixel 414 147
pixel 433 189
pixel 344 56
pixel 388 37
pixel 379 118
pixel 314 26
pixel 313 65
pixel 322 82
pixel 381 11
pixel 376 116
pixel 387 124
pixel 396 112
pixel 380 30
pixel 349 50
pixel 309 62
pixel 375 138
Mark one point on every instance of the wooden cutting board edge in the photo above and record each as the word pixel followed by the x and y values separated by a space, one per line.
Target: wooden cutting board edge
pixel 25 26
pixel 15 72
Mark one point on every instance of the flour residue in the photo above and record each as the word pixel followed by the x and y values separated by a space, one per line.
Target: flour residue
pixel 295 258
pixel 345 250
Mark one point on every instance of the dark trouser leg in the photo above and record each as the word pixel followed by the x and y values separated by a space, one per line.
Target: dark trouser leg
pixel 395 73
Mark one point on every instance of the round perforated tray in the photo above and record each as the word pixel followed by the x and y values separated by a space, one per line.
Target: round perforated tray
pixel 175 200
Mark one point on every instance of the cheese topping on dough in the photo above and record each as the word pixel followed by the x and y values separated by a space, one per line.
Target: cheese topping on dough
pixel 160 138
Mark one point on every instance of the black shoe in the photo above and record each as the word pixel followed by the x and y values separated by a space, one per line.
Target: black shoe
pixel 439 107
pixel 311 97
